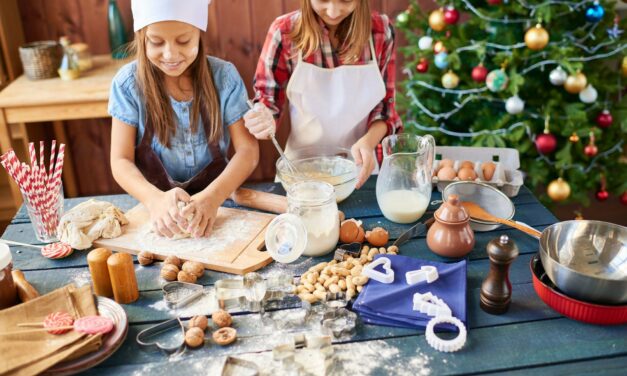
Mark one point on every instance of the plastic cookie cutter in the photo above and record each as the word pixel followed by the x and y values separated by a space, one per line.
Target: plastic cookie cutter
pixel 168 336
pixel 339 322
pixel 431 305
pixel 370 272
pixel 237 366
pixel 179 294
pixel 426 273
pixel 444 345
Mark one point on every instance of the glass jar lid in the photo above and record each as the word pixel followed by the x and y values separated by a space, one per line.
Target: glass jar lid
pixel 286 238
pixel 5 256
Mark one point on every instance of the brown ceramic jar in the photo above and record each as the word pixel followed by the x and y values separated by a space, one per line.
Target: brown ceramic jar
pixel 451 235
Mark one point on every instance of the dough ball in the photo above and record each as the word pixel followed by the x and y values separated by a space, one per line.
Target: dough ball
pixel 194 337
pixel 145 258
pixel 194 268
pixel 222 318
pixel 198 322
pixel 169 272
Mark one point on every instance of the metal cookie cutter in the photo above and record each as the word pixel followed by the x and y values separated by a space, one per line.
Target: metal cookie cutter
pixel 179 294
pixel 431 305
pixel 370 272
pixel 231 293
pixel 340 322
pixel 347 250
pixel 171 344
pixel 286 353
pixel 234 366
pixel 426 273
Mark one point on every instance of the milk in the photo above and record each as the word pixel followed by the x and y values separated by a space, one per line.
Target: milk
pixel 403 206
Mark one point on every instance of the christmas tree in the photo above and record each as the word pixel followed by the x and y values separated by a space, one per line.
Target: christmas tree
pixel 546 77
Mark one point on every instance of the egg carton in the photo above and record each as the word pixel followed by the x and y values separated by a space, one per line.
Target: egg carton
pixel 507 176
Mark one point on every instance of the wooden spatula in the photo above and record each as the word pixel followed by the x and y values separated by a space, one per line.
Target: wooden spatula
pixel 477 212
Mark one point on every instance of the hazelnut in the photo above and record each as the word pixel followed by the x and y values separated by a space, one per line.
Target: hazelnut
pixel 351 231
pixel 222 318
pixel 198 322
pixel 184 276
pixel 145 258
pixel 378 237
pixel 225 336
pixel 195 337
pixel 194 268
pixel 173 260
pixel 169 272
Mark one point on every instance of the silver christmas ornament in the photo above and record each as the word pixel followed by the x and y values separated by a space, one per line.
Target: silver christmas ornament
pixel 514 105
pixel 558 76
pixel 588 95
pixel 425 43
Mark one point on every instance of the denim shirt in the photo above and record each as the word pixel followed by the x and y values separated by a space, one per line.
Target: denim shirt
pixel 188 153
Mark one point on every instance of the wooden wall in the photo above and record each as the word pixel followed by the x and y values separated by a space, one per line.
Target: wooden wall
pixel 236 32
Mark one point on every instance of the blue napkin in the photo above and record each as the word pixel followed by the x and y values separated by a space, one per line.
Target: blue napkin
pixel 392 304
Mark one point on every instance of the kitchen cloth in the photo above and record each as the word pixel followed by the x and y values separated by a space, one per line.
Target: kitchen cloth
pixel 35 352
pixel 392 304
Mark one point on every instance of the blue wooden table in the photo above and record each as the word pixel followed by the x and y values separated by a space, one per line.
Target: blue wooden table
pixel 529 339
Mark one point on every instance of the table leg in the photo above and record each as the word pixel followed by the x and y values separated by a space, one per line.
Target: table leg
pixel 5 145
pixel 69 176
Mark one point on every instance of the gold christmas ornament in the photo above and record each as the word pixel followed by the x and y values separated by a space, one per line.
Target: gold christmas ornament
pixel 574 138
pixel 450 80
pixel 536 38
pixel 436 20
pixel 439 47
pixel 558 190
pixel 624 66
pixel 575 83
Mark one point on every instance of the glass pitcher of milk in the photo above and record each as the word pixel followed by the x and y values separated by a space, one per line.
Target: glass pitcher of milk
pixel 404 182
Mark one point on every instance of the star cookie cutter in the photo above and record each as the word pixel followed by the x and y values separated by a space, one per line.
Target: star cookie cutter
pixel 431 305
pixel 370 271
pixel 426 273
pixel 339 322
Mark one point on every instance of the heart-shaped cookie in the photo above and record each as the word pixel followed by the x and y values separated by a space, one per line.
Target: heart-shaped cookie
pixel 168 336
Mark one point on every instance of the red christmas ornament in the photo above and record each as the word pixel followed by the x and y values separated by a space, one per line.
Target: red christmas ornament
pixel 623 198
pixel 604 119
pixel 591 150
pixel 602 195
pixel 451 16
pixel 546 143
pixel 479 73
pixel 494 2
pixel 422 66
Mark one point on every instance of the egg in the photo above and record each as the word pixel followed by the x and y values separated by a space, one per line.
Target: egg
pixel 468 164
pixel 446 162
pixel 466 173
pixel 446 173
pixel 488 169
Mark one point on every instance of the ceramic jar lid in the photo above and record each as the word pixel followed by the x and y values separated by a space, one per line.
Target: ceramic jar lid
pixel 452 211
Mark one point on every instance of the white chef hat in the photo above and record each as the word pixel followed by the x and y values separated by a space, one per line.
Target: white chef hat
pixel 193 12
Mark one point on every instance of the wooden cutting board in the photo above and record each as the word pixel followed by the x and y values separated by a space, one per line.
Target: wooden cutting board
pixel 233 246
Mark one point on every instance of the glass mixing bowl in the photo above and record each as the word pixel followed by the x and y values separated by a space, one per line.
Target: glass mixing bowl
pixel 330 164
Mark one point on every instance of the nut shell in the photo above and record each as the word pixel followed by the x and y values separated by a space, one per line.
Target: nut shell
pixel 173 260
pixel 145 258
pixel 194 337
pixel 378 237
pixel 169 272
pixel 194 268
pixel 184 276
pixel 222 318
pixel 198 322
pixel 225 336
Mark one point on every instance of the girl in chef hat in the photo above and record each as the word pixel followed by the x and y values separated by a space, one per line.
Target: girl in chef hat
pixel 175 112
pixel 351 102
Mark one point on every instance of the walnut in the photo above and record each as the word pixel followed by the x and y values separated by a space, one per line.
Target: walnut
pixel 225 336
pixel 194 337
pixel 169 272
pixel 194 268
pixel 222 318
pixel 351 231
pixel 173 260
pixel 145 258
pixel 184 276
pixel 378 237
pixel 198 322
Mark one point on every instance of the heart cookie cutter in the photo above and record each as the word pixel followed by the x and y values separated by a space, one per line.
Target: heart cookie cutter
pixel 175 345
pixel 179 294
pixel 370 271
pixel 427 273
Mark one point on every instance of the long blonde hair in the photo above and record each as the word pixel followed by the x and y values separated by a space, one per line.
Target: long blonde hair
pixel 353 32
pixel 205 105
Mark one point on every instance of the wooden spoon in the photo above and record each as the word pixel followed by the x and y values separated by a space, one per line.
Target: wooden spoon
pixel 477 212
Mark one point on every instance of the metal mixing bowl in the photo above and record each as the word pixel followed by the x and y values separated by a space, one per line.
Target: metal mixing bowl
pixel 587 260
pixel 330 164
pixel 489 198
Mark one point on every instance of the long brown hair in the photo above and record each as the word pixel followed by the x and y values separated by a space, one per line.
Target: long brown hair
pixel 353 32
pixel 205 105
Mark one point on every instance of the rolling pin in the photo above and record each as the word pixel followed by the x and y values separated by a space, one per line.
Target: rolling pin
pixel 97 261
pixel 260 200
pixel 123 280
pixel 25 290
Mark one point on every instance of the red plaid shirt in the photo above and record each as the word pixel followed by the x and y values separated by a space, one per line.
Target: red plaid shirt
pixel 279 58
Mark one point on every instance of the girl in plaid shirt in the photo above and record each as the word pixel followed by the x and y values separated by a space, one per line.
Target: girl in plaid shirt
pixel 334 61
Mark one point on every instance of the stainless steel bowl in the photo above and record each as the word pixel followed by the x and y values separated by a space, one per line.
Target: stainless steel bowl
pixel 587 260
pixel 489 198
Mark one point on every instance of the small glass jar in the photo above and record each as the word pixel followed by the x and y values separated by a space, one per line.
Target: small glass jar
pixel 314 202
pixel 8 292
pixel 46 220
pixel 83 56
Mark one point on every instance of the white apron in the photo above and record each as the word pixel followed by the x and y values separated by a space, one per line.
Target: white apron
pixel 330 106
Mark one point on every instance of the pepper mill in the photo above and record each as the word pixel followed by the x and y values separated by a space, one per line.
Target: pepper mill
pixel 496 290
pixel 97 261
pixel 123 281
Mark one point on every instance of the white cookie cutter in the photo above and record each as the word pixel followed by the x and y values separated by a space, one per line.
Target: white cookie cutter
pixel 446 345
pixel 426 273
pixel 431 305
pixel 370 272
